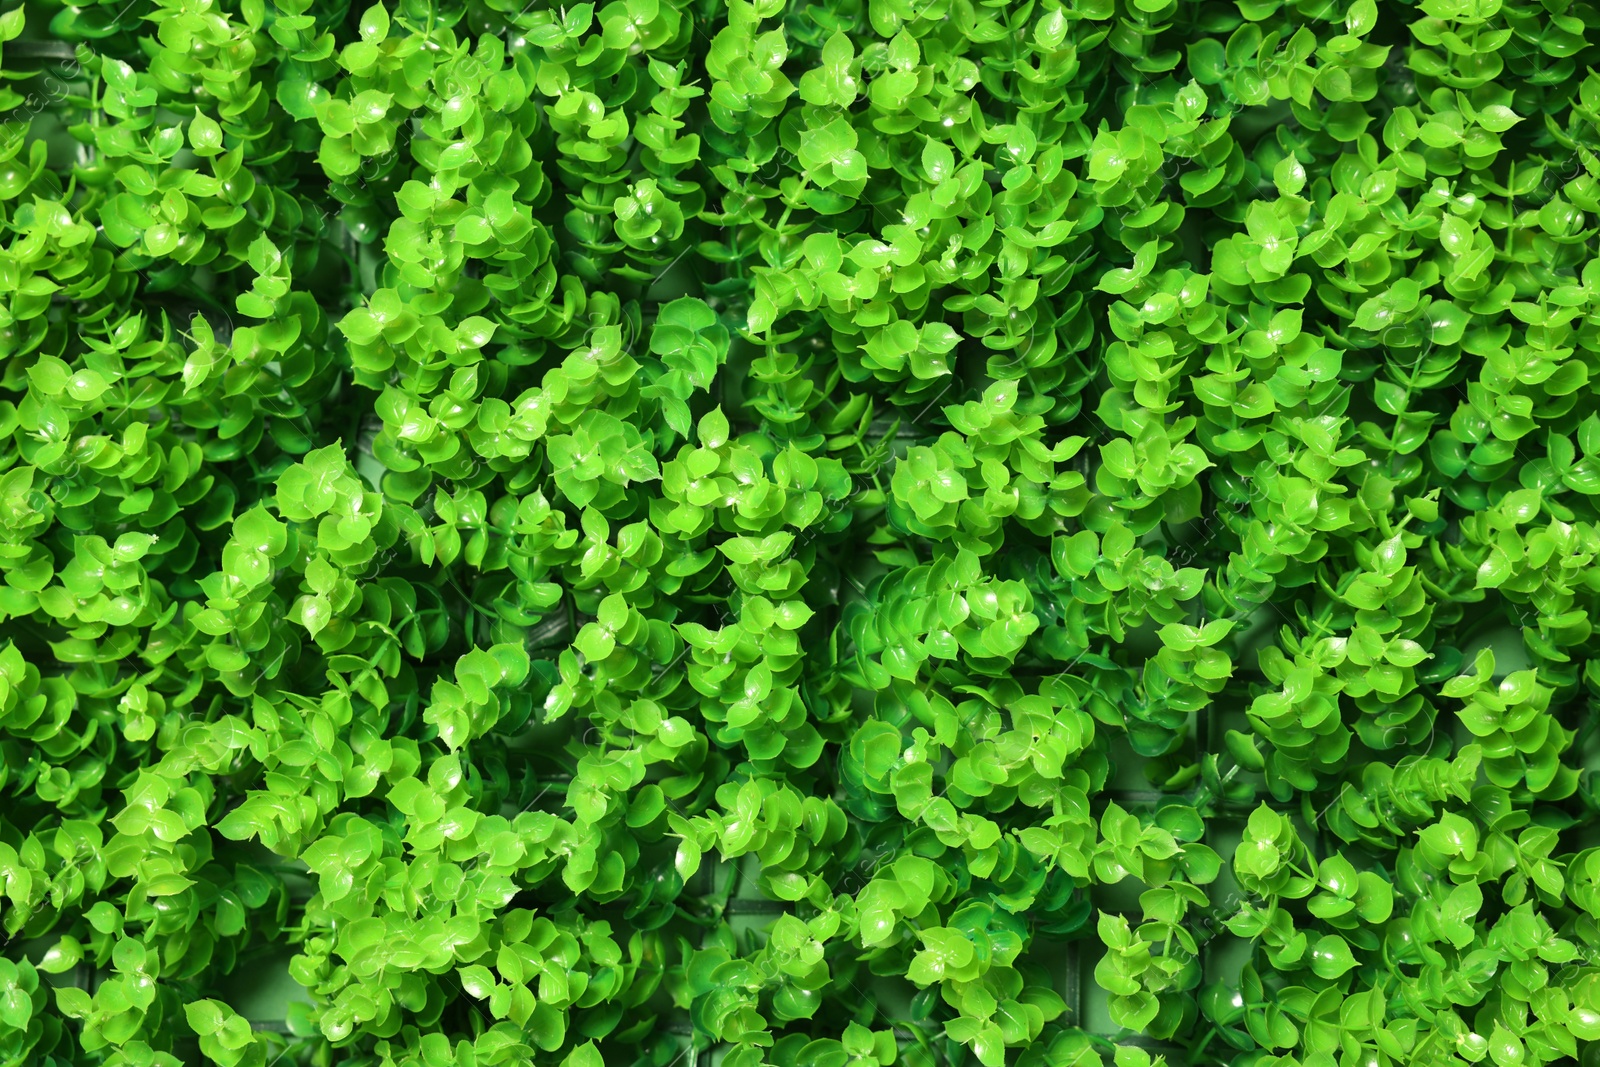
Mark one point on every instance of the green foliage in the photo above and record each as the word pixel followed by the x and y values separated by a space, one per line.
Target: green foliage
pixel 843 533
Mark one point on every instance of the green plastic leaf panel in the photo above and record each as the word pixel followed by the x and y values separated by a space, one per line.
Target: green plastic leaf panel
pixel 830 533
